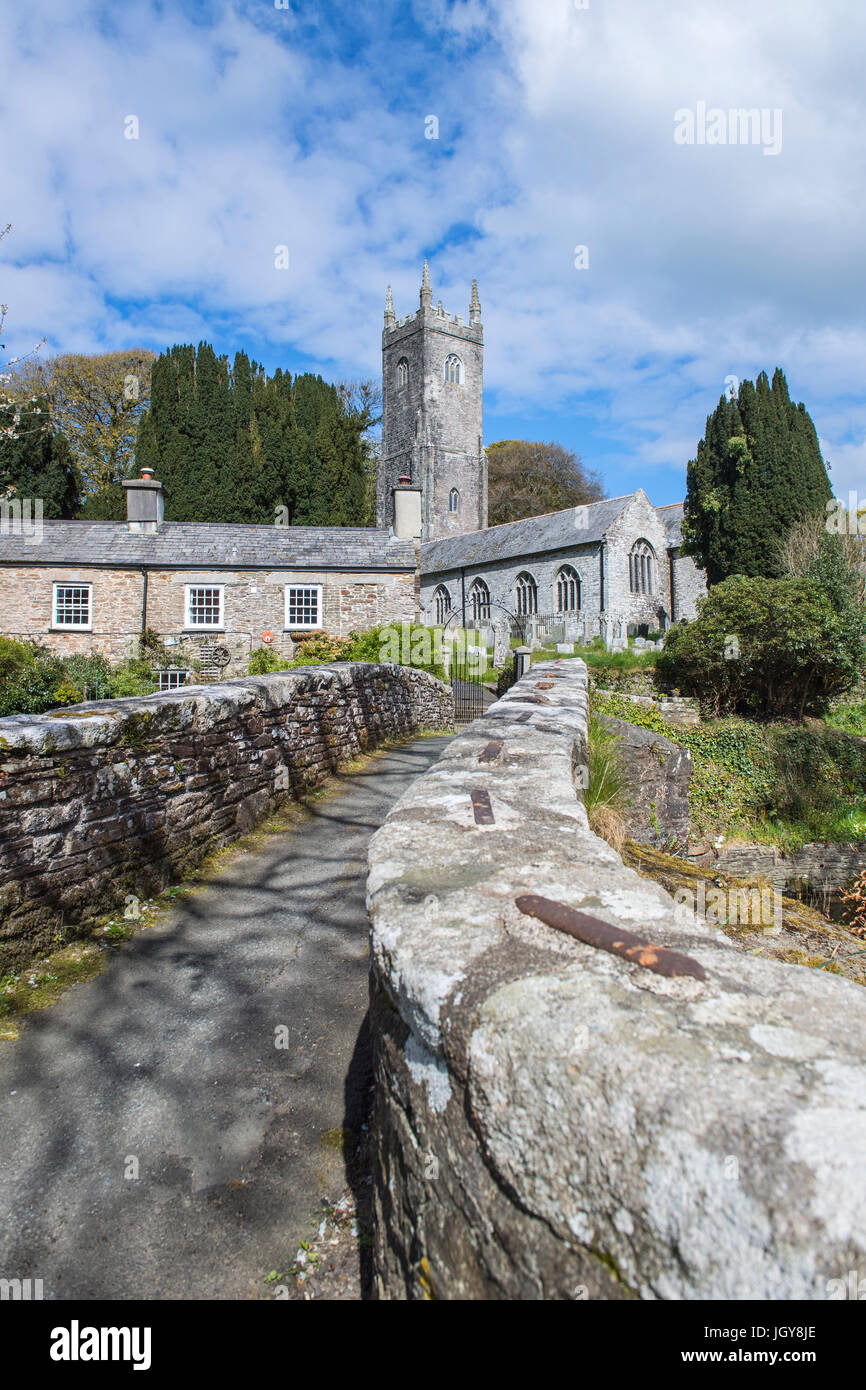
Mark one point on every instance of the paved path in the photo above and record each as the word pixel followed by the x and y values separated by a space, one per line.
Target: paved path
pixel 168 1058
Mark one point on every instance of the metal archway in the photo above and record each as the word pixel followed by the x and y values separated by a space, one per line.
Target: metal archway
pixel 471 696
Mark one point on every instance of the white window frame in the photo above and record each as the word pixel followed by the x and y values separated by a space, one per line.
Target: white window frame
pixel 218 626
pixel 56 625
pixel 169 678
pixel 305 626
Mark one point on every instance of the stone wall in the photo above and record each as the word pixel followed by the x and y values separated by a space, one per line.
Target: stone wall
pixel 120 797
pixel 657 775
pixel 254 603
pixel 555 1120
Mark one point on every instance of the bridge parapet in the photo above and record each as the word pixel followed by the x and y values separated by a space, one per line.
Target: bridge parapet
pixel 117 798
pixel 596 1096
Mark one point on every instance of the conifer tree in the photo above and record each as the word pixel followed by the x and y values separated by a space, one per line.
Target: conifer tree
pixel 36 461
pixel 756 473
pixel 234 445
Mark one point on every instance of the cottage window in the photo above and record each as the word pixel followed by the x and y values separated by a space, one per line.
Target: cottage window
pixel 303 606
pixel 172 677
pixel 205 606
pixel 72 607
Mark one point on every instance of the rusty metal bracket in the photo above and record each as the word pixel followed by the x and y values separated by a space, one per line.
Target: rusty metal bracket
pixel 594 932
pixel 491 751
pixel 481 807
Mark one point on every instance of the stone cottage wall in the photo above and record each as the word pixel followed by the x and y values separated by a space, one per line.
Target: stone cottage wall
pixel 119 797
pixel 254 603
pixel 557 1120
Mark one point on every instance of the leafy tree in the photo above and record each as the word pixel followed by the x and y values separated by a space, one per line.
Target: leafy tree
pixel 767 648
pixel 36 461
pixel 757 471
pixel 96 402
pixel 529 479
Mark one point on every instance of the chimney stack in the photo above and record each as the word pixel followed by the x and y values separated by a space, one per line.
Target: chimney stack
pixel 145 498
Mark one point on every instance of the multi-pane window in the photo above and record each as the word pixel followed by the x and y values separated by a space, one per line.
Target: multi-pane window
pixel 72 606
pixel 172 677
pixel 303 605
pixel 526 594
pixel 479 601
pixel 454 501
pixel 641 568
pixel 402 373
pixel 441 604
pixel 567 590
pixel 204 606
pixel 454 369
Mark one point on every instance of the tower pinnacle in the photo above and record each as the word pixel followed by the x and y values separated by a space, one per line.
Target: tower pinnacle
pixel 475 304
pixel 389 309
pixel 426 291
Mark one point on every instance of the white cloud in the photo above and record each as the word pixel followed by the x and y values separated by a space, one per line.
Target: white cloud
pixel 556 129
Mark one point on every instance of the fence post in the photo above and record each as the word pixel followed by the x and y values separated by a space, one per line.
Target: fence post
pixel 521 661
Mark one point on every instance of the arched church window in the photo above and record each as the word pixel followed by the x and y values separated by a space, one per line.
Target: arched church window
pixel 454 501
pixel 441 604
pixel 402 373
pixel 526 594
pixel 454 369
pixel 641 568
pixel 567 590
pixel 479 602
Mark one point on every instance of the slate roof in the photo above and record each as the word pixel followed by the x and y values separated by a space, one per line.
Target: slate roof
pixel 672 518
pixel 555 531
pixel 203 545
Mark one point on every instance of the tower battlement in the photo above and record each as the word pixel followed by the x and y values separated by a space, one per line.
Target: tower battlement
pixel 432 369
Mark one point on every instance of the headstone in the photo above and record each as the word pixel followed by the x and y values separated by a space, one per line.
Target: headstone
pixel 565 647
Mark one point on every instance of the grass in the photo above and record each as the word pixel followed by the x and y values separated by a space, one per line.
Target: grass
pixel 851 719
pixel 606 797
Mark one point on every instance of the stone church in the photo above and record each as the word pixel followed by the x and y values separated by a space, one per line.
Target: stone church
pixel 215 592
pixel 612 569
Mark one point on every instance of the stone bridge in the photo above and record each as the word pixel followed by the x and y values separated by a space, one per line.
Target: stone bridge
pixel 593 1095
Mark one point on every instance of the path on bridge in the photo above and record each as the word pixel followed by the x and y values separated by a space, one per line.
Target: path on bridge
pixel 169 1058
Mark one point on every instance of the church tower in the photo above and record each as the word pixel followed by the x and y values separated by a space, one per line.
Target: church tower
pixel 432 416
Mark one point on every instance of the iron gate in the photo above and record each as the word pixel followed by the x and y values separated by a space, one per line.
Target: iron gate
pixel 471 695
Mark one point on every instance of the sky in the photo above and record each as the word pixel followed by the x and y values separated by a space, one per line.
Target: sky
pixel 495 139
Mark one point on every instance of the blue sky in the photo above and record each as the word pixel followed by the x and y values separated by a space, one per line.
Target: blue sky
pixel 306 127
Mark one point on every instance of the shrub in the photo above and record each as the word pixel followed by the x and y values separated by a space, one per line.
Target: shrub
pixel 765 648
pixel 14 657
pixel 264 660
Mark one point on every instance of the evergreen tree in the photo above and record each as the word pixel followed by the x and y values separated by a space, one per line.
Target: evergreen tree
pixel 236 445
pixel 756 473
pixel 36 460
